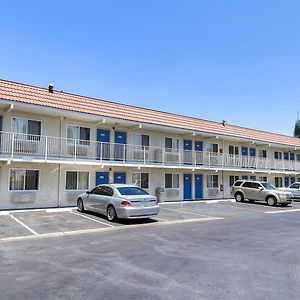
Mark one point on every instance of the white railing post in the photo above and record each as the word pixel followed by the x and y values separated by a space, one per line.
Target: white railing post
pixel 124 153
pixel 46 148
pixel 163 156
pixel 194 158
pixel 144 155
pixel 75 150
pixel 101 151
pixel 12 146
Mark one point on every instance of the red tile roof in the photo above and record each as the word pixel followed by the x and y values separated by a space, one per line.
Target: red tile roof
pixel 24 93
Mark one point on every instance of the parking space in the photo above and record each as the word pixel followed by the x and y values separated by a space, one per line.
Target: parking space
pixel 24 224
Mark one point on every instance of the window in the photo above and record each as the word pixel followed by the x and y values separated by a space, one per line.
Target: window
pixel 263 178
pixel 234 150
pixel 278 182
pixel 26 129
pixel 140 140
pixel 77 133
pixel 21 180
pixel 262 153
pixel 141 180
pixel 238 183
pixel 295 186
pixel 96 191
pixel 171 181
pixel 107 191
pixel 212 181
pixel 251 185
pixel 131 191
pixel 77 180
pixel 171 143
pixel 233 179
pixel 277 155
pixel 210 147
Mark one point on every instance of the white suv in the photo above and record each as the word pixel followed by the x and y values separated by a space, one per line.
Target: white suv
pixel 294 189
pixel 260 191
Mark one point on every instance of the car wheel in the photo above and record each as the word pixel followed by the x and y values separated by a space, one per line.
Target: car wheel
pixel 271 201
pixel 80 206
pixel 111 213
pixel 239 197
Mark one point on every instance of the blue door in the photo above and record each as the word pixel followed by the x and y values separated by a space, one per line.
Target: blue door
pixel 292 156
pixel 119 177
pixel 120 141
pixel 103 147
pixel 244 151
pixel 187 146
pixel 253 178
pixel 199 156
pixel 286 156
pixel 198 146
pixel 293 179
pixel 198 186
pixel 252 152
pixel 245 177
pixel 286 181
pixel 187 186
pixel 102 178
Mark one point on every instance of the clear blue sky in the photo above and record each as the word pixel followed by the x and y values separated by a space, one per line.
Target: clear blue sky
pixel 237 60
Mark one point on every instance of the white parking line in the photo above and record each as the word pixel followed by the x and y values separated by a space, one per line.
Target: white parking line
pixel 97 221
pixel 186 212
pixel 24 225
pixel 160 219
pixel 98 230
pixel 282 211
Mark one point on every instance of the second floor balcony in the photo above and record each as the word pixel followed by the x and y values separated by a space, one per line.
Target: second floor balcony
pixel 15 146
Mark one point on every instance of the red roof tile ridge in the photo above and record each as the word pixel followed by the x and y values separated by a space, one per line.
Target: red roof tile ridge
pixel 139 108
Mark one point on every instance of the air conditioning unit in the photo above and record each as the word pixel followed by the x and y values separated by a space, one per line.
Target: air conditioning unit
pixel 140 155
pixel 81 150
pixel 172 156
pixel 24 146
pixel 212 192
pixel 172 194
pixel 158 155
pixel 24 197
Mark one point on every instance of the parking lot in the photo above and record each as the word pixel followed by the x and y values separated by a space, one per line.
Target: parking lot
pixel 29 224
pixel 192 250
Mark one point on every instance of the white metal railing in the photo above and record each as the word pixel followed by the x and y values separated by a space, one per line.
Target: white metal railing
pixel 13 146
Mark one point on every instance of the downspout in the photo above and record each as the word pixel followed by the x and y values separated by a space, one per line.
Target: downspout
pixel 59 165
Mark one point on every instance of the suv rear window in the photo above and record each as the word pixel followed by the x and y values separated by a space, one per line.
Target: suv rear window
pixel 238 183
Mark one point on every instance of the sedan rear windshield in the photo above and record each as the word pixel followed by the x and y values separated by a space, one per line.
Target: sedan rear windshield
pixel 131 190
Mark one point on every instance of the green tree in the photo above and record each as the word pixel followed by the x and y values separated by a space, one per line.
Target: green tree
pixel 297 129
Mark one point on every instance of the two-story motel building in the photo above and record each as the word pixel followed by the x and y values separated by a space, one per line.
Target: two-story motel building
pixel 55 145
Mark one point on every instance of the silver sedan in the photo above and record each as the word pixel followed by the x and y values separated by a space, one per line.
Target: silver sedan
pixel 119 201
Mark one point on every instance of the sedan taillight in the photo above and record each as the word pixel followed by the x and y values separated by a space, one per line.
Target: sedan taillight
pixel 125 203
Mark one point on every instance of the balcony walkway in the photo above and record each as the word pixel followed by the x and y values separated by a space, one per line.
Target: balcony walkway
pixel 30 148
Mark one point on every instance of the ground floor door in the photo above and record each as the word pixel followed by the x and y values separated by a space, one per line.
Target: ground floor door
pixel 187 186
pixel 102 178
pixel 119 177
pixel 198 186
